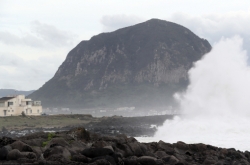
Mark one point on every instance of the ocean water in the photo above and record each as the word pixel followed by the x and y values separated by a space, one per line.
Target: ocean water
pixel 230 134
pixel 216 104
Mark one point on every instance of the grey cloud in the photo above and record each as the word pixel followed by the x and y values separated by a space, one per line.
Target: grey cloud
pixel 41 35
pixel 10 60
pixel 21 74
pixel 51 34
pixel 114 22
pixel 29 40
pixel 8 85
pixel 2 6
pixel 214 27
pixel 9 38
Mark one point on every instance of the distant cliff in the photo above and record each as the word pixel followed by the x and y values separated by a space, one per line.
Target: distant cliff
pixel 11 92
pixel 141 65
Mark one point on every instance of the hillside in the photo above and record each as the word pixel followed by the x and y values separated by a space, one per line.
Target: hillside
pixel 141 66
pixel 11 92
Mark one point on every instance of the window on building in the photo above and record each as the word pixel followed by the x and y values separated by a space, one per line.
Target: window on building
pixel 37 103
pixel 28 102
pixel 12 110
pixel 10 103
pixel 8 110
pixel 30 111
pixel 38 111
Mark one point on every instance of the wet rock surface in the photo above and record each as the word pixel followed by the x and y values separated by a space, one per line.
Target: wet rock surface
pixel 79 146
pixel 131 126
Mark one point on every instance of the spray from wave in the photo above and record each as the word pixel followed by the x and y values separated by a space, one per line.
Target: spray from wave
pixel 216 104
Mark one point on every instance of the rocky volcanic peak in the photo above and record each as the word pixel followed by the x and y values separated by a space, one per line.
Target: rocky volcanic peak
pixel 141 57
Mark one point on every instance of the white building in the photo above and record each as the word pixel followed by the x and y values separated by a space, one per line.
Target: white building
pixel 14 106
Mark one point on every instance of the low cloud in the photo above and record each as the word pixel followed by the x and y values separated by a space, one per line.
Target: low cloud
pixel 40 36
pixel 28 40
pixel 18 73
pixel 52 35
pixel 31 58
pixel 10 60
pixel 114 22
pixel 215 26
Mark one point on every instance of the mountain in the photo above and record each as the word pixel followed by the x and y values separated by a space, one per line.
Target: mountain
pixel 141 65
pixel 11 92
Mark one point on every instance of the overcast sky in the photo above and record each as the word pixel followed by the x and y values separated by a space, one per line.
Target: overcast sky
pixel 35 36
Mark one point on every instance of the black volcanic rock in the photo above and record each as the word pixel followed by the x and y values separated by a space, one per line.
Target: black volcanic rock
pixel 141 65
pixel 121 150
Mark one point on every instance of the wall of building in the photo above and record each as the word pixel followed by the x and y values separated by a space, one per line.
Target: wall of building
pixel 19 106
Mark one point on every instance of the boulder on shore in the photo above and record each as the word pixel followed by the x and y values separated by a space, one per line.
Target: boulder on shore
pixel 70 148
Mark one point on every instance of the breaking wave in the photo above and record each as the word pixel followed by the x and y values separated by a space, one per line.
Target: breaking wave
pixel 216 104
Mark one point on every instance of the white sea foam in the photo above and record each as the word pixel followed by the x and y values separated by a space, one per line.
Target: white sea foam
pixel 216 104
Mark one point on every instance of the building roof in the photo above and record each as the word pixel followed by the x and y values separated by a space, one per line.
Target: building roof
pixel 6 98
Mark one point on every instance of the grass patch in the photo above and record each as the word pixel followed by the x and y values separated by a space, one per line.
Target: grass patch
pixel 50 136
pixel 45 143
pixel 19 122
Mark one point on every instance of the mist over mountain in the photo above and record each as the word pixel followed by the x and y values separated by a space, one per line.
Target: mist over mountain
pixel 141 65
pixel 11 92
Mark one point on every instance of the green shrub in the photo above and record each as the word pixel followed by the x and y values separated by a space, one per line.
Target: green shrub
pixel 45 143
pixel 50 136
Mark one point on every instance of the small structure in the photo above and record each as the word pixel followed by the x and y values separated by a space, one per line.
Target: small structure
pixel 14 106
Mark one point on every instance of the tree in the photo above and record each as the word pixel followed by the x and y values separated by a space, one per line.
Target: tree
pixel 23 114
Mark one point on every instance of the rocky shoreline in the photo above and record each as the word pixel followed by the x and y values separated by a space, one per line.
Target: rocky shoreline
pixel 131 126
pixel 81 147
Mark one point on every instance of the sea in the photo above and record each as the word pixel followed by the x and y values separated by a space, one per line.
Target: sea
pixel 230 134
pixel 216 103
